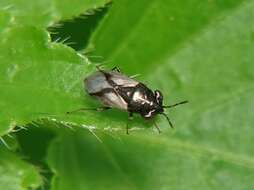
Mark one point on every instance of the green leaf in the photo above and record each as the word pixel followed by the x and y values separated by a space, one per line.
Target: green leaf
pixel 76 32
pixel 211 66
pixel 38 78
pixel 43 13
pixel 196 50
pixel 4 20
pixel 142 161
pixel 17 174
pixel 154 31
pixel 68 9
pixel 46 81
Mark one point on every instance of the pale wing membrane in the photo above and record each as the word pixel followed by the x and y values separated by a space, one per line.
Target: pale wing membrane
pixel 111 99
pixel 96 83
pixel 98 86
pixel 122 80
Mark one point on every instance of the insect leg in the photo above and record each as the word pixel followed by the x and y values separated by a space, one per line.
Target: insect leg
pixel 116 69
pixel 157 127
pixel 129 119
pixel 169 122
pixel 103 108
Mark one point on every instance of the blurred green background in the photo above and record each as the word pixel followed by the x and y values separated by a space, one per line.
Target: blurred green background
pixel 197 50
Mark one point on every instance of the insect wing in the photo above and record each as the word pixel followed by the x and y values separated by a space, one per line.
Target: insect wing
pixel 112 99
pixel 122 80
pixel 98 86
pixel 96 83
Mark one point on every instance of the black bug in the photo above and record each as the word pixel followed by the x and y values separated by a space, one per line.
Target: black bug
pixel 116 90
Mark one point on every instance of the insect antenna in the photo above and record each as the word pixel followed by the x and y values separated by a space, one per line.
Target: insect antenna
pixel 179 103
pixel 170 123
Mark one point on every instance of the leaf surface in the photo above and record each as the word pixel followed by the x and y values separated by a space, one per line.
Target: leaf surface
pixel 17 174
pixel 38 78
pixel 207 60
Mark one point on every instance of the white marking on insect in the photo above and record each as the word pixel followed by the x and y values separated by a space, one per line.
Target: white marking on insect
pixel 149 113
pixel 157 95
pixel 137 97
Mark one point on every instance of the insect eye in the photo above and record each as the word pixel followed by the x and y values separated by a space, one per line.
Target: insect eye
pixel 158 96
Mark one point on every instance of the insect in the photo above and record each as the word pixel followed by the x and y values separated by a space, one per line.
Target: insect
pixel 116 90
